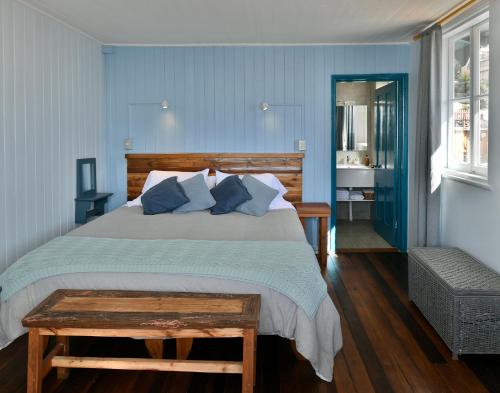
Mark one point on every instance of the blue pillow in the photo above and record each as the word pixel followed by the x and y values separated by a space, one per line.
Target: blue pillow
pixel 164 197
pixel 229 194
pixel 198 193
pixel 262 195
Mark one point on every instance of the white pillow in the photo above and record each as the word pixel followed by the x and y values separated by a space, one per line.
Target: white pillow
pixel 269 180
pixel 211 182
pixel 280 203
pixel 156 177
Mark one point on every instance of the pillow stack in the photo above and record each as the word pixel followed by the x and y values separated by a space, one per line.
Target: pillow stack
pixel 169 195
pixel 249 194
pixel 269 180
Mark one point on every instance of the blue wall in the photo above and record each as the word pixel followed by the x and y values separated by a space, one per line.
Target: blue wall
pixel 214 93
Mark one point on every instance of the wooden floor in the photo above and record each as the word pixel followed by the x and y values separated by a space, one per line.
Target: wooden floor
pixel 388 347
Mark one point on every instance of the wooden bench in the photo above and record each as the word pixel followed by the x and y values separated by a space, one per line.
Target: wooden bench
pixel 155 315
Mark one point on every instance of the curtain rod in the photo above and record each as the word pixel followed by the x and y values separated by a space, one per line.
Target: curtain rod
pixel 448 16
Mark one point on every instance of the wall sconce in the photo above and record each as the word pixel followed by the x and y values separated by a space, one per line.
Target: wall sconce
pixel 128 143
pixel 164 104
pixel 264 106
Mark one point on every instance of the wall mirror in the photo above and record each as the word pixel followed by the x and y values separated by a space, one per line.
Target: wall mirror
pixel 85 177
pixel 352 127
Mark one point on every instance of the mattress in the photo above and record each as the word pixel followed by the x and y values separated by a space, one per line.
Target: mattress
pixel 318 338
pixel 131 223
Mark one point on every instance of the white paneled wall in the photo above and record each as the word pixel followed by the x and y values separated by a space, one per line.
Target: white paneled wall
pixel 469 214
pixel 51 113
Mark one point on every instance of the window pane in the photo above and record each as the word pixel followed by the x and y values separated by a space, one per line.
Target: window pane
pixel 461 132
pixel 483 132
pixel 484 60
pixel 461 67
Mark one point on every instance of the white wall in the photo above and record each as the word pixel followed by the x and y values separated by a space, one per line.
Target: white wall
pixel 471 215
pixel 51 112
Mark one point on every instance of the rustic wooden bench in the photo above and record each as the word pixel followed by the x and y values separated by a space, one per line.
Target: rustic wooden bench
pixel 151 315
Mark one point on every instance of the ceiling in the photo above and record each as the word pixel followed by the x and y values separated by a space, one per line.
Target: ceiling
pixel 170 22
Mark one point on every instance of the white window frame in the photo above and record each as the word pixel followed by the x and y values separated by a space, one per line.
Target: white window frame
pixel 472 27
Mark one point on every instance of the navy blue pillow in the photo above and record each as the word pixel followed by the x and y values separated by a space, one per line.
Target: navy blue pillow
pixel 228 195
pixel 164 197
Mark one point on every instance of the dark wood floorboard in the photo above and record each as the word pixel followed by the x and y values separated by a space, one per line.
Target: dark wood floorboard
pixel 388 347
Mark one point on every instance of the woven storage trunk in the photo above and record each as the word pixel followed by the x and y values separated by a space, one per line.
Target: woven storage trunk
pixel 459 296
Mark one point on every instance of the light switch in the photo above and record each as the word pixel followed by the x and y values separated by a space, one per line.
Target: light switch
pixel 301 144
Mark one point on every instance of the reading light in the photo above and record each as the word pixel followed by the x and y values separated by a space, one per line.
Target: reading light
pixel 264 106
pixel 128 143
pixel 164 104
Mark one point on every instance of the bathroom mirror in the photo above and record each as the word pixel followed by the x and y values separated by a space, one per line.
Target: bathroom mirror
pixel 352 127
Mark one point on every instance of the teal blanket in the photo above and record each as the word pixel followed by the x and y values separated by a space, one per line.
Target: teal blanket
pixel 288 267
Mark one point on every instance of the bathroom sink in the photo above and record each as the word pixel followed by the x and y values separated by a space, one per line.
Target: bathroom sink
pixel 352 166
pixel 355 176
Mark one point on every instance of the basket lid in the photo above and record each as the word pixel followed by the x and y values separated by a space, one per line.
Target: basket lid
pixel 459 270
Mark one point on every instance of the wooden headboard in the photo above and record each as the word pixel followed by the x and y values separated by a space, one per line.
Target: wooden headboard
pixel 286 166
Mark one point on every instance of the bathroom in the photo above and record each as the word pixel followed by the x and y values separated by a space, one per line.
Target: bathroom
pixel 363 132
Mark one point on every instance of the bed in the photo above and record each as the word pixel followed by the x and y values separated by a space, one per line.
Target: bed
pixel 198 252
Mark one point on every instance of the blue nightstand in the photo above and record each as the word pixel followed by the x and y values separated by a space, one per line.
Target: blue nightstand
pixel 83 206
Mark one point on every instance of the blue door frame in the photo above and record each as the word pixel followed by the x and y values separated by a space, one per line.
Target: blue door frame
pixel 402 151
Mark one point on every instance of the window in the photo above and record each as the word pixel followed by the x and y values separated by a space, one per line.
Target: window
pixel 468 88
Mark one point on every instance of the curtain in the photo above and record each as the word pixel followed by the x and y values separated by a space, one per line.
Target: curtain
pixel 429 156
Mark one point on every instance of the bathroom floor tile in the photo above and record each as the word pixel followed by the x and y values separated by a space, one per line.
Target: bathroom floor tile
pixel 358 234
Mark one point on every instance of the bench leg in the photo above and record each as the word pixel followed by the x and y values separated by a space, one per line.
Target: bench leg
pixel 99 206
pixel 35 357
pixel 63 373
pixel 183 347
pixel 154 347
pixel 249 360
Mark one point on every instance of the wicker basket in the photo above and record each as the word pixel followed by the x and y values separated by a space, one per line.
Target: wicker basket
pixel 459 296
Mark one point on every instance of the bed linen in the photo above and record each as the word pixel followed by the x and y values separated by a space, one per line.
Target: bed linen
pixel 130 223
pixel 281 265
pixel 318 337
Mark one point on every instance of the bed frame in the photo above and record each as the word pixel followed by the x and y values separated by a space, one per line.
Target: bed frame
pixel 287 167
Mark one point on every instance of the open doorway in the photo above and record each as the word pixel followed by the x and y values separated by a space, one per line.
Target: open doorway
pixel 369 163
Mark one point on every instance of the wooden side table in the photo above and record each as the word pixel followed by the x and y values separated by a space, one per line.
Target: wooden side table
pixel 83 204
pixel 322 212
